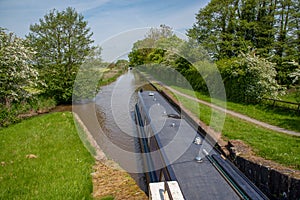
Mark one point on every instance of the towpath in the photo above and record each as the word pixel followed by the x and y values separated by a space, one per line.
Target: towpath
pixel 235 114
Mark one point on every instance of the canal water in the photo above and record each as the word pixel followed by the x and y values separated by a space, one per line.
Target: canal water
pixel 110 120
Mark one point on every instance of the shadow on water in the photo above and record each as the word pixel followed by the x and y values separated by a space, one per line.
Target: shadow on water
pixel 110 120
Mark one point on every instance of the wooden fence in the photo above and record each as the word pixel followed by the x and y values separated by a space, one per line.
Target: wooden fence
pixel 285 104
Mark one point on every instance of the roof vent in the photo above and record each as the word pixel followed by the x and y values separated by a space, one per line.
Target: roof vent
pixel 197 140
pixel 198 158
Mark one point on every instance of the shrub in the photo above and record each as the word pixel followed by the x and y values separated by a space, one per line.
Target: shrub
pixel 249 78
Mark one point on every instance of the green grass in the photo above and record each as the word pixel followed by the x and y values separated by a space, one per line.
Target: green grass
pixel 62 167
pixel 269 144
pixel 276 116
pixel 289 96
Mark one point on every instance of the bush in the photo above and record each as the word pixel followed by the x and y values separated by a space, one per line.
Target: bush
pixel 296 80
pixel 17 111
pixel 249 78
pixel 8 116
pixel 16 70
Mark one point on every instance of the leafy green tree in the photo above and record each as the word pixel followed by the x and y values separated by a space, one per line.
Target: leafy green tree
pixel 63 41
pixel 161 45
pixel 17 74
pixel 225 28
pixel 294 31
pixel 90 72
pixel 214 28
pixel 193 52
pixel 163 31
pixel 139 56
pixel 287 46
pixel 152 48
pixel 173 60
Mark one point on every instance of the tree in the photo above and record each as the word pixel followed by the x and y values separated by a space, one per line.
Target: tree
pixel 193 52
pixel 296 80
pixel 171 59
pixel 225 28
pixel 62 40
pixel 161 45
pixel 17 74
pixel 294 29
pixel 249 78
pixel 91 71
pixel 153 47
pixel 163 31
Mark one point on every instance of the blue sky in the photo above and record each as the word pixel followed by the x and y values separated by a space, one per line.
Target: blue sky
pixel 107 18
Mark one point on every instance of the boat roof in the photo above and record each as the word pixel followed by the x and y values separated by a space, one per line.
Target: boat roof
pixel 197 180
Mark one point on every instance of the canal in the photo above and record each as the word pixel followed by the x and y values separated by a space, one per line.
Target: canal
pixel 110 120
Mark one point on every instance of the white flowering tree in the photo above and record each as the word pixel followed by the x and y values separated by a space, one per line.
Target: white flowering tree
pixel 249 78
pixel 16 71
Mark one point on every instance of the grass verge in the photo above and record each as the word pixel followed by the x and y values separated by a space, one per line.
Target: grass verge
pixel 281 148
pixel 43 158
pixel 276 116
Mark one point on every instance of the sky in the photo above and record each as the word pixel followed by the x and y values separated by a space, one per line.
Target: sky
pixel 111 21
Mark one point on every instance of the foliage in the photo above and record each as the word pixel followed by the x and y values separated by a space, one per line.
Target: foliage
pixel 296 75
pixel 176 62
pixel 90 72
pixel 297 94
pixel 249 78
pixel 16 70
pixel 94 73
pixel 296 79
pixel 19 110
pixel 19 95
pixel 272 27
pixel 193 52
pixel 62 41
pixel 162 46
pixel 122 64
pixel 163 31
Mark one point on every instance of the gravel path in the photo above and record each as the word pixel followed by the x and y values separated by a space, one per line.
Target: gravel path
pixel 235 114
